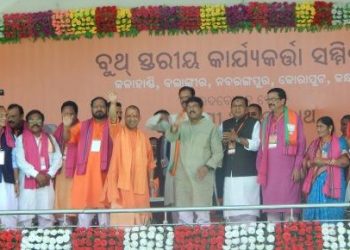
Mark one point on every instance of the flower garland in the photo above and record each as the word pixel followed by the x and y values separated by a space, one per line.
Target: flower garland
pixel 336 236
pixel 174 19
pixel 10 239
pixel 323 15
pixel 281 15
pixel 304 13
pixel 213 18
pixel 148 238
pixel 97 238
pixel 190 19
pixel 197 237
pixel 298 236
pixel 83 22
pixel 258 14
pixel 123 20
pixel 105 19
pixel 253 236
pixel 61 23
pixel 46 239
pixel 341 14
pixel 237 16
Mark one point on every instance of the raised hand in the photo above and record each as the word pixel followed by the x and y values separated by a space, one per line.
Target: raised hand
pixel 112 97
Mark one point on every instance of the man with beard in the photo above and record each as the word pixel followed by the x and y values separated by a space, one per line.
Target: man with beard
pixel 280 155
pixel 130 175
pixel 241 142
pixel 94 146
pixel 38 158
pixel 200 153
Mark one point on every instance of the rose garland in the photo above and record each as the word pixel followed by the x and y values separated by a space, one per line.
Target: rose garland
pixel 10 239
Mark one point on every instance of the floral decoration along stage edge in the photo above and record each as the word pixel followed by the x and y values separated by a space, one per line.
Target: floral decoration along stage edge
pixel 166 20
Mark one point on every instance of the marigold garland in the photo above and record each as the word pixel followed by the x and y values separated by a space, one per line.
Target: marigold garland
pixel 175 19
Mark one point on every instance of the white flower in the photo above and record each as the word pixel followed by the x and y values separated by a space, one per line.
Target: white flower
pixel 134 236
pixel 46 232
pixel 134 244
pixel 65 238
pixel 243 232
pixel 251 230
pixel 127 247
pixel 260 232
pixel 40 230
pixel 228 242
pixel 169 242
pixel 169 247
pixel 260 247
pixel 235 227
pixel 38 239
pixel 244 240
pixel 159 244
pixel 127 236
pixel 159 237
pixel 150 244
pixel 341 238
pixel 135 229
pixel 31 238
pixel 152 229
pixel 235 234
pixel 228 235
pixel 341 230
pixel 251 239
pixel 235 241
pixel 143 235
pixel 127 230
pixel 252 224
pixel 143 228
pixel 260 238
pixel 261 225
pixel 58 247
pixel 243 226
pixel 37 246
pixel 66 247
pixel 334 245
pixel 342 244
pixel 270 228
pixel 60 231
pixel 326 244
pixel 340 224
pixel 228 228
pixel 269 247
pixel 25 231
pixel 142 248
pixel 52 247
pixel 332 239
pixel 271 238
pixel 170 235
pixel 126 242
pixel 59 240
pixel 53 232
pixel 169 229
pixel 252 246
pixel 160 229
pixel 151 235
pixel 226 247
pixel 52 241
pixel 243 247
pixel 143 242
pixel 43 246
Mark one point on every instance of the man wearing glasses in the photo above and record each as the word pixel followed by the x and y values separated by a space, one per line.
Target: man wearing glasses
pixel 280 156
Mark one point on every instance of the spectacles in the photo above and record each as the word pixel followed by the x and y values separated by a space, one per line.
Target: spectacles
pixel 272 99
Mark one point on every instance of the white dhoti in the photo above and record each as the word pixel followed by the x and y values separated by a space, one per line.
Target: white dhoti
pixel 40 198
pixel 8 201
pixel 240 191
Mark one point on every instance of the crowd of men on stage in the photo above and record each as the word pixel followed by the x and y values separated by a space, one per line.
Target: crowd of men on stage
pixel 107 161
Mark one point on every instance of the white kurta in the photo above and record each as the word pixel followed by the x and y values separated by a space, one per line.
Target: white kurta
pixel 40 198
pixel 8 201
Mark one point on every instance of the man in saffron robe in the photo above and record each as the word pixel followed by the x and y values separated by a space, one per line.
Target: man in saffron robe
pixel 8 174
pixel 39 158
pixel 130 175
pixel 200 154
pixel 280 157
pixel 94 145
pixel 64 178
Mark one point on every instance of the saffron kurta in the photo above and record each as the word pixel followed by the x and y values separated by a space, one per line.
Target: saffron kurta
pixel 200 145
pixel 87 188
pixel 280 188
pixel 128 175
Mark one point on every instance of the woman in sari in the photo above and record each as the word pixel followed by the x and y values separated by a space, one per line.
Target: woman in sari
pixel 324 162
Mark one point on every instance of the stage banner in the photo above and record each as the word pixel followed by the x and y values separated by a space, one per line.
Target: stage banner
pixel 147 71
